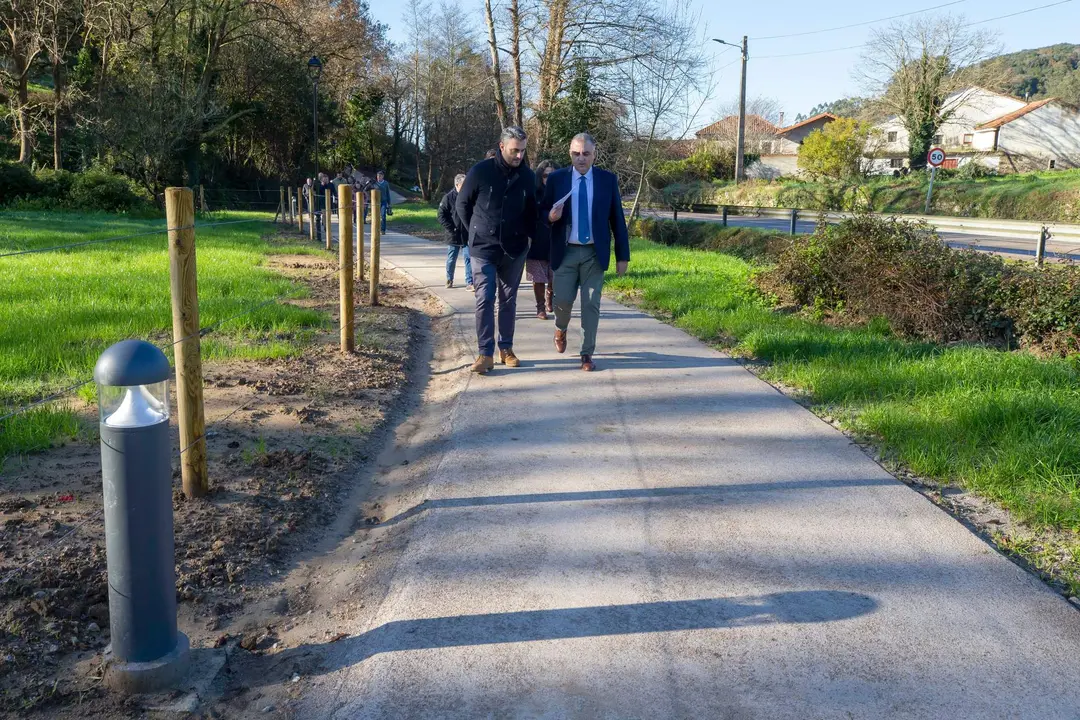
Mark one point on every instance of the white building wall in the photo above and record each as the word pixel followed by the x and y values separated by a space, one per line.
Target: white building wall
pixel 1052 132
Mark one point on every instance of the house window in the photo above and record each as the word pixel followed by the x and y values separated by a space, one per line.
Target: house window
pixel 937 139
pixel 896 163
pixel 968 139
pixel 892 136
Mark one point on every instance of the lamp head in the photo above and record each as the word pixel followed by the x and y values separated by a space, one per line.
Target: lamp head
pixel 315 66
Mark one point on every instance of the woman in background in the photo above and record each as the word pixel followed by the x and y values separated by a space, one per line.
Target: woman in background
pixel 538 262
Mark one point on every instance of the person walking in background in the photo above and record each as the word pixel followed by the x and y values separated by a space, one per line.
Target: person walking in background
pixel 384 197
pixel 538 265
pixel 497 203
pixel 581 238
pixel 457 235
pixel 491 153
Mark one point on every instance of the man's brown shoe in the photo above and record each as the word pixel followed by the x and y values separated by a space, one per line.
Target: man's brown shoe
pixel 541 315
pixel 508 358
pixel 587 363
pixel 483 364
pixel 560 340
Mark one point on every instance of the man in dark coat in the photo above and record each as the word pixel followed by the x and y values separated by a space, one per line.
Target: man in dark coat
pixel 583 226
pixel 457 235
pixel 497 203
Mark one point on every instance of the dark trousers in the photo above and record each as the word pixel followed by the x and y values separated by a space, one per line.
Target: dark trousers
pixel 496 279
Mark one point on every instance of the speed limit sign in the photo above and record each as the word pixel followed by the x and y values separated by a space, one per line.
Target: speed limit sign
pixel 935 157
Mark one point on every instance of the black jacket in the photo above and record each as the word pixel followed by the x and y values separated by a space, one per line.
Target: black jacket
pixel 456 232
pixel 497 204
pixel 540 249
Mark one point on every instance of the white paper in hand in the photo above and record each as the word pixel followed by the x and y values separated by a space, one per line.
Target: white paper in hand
pixel 564 199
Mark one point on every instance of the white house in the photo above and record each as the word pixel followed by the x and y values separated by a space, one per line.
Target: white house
pixel 999 131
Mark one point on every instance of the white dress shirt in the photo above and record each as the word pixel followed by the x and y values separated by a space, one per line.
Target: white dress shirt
pixel 576 179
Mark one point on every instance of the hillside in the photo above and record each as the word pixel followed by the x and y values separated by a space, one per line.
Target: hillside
pixel 1044 72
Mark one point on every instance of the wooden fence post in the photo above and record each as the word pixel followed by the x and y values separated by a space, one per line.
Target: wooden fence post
pixel 328 220
pixel 284 208
pixel 311 212
pixel 360 236
pixel 376 238
pixel 183 282
pixel 345 269
pixel 300 209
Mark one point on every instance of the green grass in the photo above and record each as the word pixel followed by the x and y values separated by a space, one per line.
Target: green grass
pixel 59 310
pixel 415 214
pixel 1002 424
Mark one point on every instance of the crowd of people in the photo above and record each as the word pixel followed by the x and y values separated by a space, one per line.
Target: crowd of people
pixel 558 226
pixel 359 183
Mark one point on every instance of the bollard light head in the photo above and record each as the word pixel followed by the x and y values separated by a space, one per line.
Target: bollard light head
pixel 133 385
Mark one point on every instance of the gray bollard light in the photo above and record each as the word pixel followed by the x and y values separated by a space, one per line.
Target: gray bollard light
pixel 148 653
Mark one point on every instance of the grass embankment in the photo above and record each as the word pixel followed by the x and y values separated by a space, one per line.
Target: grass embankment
pixel 1001 424
pixel 415 215
pixel 1047 196
pixel 60 309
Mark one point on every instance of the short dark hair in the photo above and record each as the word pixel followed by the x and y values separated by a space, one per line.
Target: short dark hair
pixel 380 172
pixel 512 132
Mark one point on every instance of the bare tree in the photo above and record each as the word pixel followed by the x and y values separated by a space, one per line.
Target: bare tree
pixel 515 56
pixel 63 22
pixel 496 72
pixel 762 118
pixel 664 89
pixel 23 24
pixel 915 65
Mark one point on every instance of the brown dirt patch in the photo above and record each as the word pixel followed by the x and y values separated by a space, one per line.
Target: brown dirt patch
pixel 285 439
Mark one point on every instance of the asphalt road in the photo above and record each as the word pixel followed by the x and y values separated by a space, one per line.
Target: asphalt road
pixel 669 537
pixel 985 242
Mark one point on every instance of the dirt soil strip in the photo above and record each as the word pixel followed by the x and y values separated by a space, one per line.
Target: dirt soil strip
pixel 289 443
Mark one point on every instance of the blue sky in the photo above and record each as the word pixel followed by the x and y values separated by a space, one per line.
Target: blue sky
pixel 802 81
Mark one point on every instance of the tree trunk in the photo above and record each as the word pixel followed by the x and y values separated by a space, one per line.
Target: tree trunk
pixel 551 65
pixel 58 98
pixel 515 53
pixel 496 73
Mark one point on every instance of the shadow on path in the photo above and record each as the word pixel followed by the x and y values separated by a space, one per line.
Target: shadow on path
pixel 797 607
pixel 713 493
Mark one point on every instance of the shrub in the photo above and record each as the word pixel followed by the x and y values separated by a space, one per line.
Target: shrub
pixel 99 190
pixel 746 243
pixel 16 181
pixel 1044 305
pixel 836 151
pixel 869 267
pixel 55 185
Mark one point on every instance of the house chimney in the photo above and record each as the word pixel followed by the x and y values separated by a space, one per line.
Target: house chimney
pixel 781 118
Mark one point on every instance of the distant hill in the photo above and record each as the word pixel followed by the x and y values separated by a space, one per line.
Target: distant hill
pixel 1044 72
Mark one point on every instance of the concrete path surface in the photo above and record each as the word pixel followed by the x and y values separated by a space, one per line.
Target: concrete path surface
pixel 669 537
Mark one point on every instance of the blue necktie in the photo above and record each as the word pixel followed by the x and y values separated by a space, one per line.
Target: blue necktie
pixel 583 212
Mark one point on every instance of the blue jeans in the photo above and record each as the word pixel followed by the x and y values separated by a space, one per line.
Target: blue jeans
pixel 452 253
pixel 496 281
pixel 367 212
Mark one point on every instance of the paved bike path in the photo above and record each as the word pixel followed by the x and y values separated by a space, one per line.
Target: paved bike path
pixel 669 537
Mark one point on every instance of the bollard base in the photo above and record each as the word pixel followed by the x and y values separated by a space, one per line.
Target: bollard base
pixel 150 677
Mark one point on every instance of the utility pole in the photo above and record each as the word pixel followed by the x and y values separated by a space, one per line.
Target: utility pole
pixel 740 157
pixel 740 143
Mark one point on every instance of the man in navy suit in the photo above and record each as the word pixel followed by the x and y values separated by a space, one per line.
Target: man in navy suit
pixel 582 228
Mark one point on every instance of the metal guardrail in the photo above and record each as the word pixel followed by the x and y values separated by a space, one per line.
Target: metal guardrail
pixel 1016 229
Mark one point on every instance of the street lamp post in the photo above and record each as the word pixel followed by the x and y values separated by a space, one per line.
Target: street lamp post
pixel 740 171
pixel 315 68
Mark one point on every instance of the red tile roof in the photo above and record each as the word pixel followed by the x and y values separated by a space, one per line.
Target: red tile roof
pixel 807 121
pixel 756 122
pixel 1004 119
